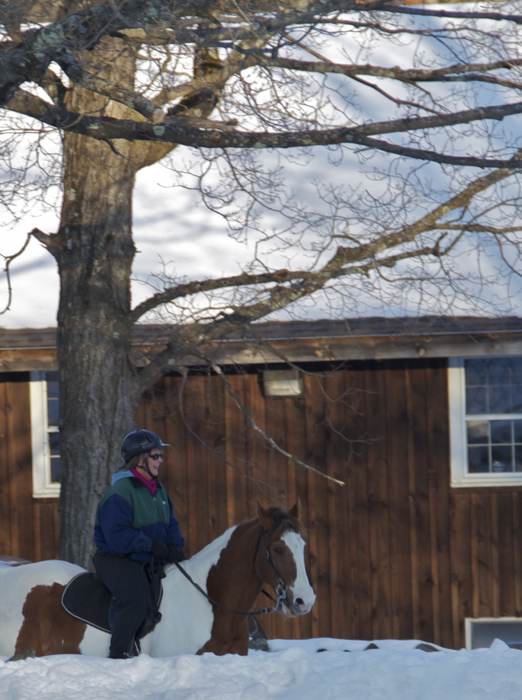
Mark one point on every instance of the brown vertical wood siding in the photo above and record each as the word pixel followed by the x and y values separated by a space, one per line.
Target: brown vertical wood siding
pixel 396 553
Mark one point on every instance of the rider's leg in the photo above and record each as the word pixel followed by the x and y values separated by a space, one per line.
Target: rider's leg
pixel 129 586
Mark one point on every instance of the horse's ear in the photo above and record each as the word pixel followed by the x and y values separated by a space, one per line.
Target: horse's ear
pixel 264 516
pixel 296 510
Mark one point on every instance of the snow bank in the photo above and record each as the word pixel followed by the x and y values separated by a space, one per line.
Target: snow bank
pixel 294 671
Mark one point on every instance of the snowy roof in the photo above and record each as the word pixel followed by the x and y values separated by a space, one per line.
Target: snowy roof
pixel 306 341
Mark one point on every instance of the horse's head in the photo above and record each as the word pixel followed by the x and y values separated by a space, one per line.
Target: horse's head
pixel 280 559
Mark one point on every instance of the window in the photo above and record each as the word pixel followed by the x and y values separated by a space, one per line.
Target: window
pixel 485 398
pixel 45 434
pixel 481 632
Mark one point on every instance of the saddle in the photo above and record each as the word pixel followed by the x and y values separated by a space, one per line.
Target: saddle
pixel 87 599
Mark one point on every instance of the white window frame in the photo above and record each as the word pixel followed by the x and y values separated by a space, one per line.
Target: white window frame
pixel 469 622
pixel 460 477
pixel 43 487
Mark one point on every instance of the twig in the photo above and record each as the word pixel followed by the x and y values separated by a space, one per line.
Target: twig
pixel 112 147
pixel 251 422
pixel 8 260
pixel 269 490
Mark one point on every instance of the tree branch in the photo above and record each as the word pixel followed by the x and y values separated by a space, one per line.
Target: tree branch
pixel 407 234
pixel 453 14
pixel 8 260
pixel 107 128
pixel 197 287
pixel 458 71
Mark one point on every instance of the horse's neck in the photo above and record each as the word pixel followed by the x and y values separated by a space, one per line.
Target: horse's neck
pixel 233 582
pixel 225 567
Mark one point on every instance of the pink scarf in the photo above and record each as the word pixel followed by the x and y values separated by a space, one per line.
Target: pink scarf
pixel 151 484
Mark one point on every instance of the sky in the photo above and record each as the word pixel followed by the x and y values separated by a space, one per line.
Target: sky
pixel 292 670
pixel 173 230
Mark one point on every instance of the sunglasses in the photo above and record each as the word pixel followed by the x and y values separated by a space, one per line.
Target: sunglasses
pixel 156 456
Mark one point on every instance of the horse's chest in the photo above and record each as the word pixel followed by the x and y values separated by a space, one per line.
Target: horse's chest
pixel 186 626
pixel 188 618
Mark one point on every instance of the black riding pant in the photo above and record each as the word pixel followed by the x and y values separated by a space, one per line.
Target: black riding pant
pixel 129 586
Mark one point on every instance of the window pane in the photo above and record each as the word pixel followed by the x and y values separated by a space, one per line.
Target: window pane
pixel 56 470
pixel 516 398
pixel 53 390
pixel 501 431
pixel 476 372
pixel 476 400
pixel 53 409
pixel 500 399
pixel 478 459
pixel 501 459
pixel 499 371
pixel 494 386
pixel 54 443
pixel 483 633
pixel 516 370
pixel 478 432
pixel 518 458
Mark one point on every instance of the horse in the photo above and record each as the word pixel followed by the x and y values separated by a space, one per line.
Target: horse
pixel 231 571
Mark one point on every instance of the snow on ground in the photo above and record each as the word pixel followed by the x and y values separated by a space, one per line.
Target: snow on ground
pixel 292 671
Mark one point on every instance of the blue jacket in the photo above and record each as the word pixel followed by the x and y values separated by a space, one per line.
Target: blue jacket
pixel 128 516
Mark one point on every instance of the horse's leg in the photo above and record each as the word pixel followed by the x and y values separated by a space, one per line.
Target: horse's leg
pixel 231 638
pixel 239 645
pixel 46 627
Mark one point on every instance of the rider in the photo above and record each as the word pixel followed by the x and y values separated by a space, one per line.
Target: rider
pixel 135 524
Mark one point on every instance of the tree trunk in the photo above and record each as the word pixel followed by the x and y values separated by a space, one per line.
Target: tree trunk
pixel 94 251
pixel 99 387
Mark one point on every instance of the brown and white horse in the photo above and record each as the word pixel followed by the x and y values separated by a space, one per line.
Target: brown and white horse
pixel 232 570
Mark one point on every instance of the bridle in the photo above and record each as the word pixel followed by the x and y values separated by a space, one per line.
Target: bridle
pixel 281 589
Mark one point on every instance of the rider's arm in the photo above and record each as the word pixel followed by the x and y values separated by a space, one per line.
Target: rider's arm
pixel 115 520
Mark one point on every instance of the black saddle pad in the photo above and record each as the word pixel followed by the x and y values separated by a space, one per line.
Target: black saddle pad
pixel 88 600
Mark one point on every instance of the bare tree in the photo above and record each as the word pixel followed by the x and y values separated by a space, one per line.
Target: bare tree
pixel 124 82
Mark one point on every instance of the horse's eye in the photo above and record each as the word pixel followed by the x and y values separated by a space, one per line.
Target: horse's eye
pixel 278 550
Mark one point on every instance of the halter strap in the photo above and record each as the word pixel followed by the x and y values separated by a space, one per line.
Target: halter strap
pixel 281 588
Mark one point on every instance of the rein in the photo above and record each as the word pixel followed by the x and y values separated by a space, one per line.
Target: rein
pixel 281 588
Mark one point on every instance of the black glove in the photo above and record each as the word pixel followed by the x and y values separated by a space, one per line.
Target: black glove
pixel 175 553
pixel 159 549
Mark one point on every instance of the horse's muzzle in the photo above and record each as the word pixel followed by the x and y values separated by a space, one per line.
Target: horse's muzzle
pixel 296 607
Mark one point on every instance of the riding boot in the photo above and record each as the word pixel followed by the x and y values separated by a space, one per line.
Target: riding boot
pixel 117 655
pixel 135 651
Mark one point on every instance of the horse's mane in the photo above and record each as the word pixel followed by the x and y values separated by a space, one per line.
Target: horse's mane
pixel 283 521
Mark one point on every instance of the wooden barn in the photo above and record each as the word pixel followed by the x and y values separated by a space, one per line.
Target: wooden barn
pixel 420 418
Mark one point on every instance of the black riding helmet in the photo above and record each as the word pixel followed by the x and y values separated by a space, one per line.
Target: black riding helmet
pixel 139 441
